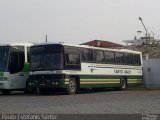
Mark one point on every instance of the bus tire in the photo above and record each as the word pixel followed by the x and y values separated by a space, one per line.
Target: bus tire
pixel 123 83
pixel 72 87
pixel 6 92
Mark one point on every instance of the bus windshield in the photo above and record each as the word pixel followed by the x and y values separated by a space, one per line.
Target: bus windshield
pixel 4 53
pixel 37 62
pixel 53 61
pixel 46 58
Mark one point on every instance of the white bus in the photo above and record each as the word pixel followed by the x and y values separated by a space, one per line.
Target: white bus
pixel 77 66
pixel 14 66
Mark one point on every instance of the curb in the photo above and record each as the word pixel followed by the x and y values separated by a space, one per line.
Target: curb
pixel 143 89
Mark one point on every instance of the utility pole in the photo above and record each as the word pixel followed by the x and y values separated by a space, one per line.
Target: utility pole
pixel 46 37
pixel 145 29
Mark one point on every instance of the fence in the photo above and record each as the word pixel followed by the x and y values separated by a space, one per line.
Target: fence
pixel 151 73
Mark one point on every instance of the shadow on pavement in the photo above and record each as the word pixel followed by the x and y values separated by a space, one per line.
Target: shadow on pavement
pixel 60 92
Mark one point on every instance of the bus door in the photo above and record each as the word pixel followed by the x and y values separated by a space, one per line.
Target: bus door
pixel 16 65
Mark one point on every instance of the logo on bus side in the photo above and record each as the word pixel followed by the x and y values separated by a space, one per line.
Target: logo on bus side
pixel 122 71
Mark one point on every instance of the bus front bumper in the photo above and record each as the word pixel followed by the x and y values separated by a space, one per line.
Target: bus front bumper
pixel 46 81
pixel 5 85
pixel 44 84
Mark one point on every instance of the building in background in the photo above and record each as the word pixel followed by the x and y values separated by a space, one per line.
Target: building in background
pixel 141 41
pixel 101 43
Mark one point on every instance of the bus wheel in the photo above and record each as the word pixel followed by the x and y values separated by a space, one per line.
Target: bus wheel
pixel 123 83
pixel 6 92
pixel 72 87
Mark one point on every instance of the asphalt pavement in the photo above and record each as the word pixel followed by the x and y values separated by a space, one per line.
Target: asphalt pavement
pixel 99 102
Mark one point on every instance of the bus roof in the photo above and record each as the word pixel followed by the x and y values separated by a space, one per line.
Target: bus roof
pixel 91 47
pixel 18 44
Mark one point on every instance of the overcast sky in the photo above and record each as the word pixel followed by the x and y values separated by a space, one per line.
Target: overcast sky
pixel 76 21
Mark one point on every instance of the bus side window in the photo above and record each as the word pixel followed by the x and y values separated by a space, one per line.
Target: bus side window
pixel 16 60
pixel 109 57
pixel 72 61
pixel 119 58
pixel 137 59
pixel 99 56
pixel 129 59
pixel 87 55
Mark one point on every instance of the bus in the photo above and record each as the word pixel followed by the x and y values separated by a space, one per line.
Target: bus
pixel 14 66
pixel 58 65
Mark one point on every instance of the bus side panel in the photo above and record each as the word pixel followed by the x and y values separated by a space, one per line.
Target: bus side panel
pixel 94 81
pixel 18 80
pixel 107 81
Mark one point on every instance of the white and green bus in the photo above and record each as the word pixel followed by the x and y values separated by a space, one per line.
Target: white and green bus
pixel 77 66
pixel 14 66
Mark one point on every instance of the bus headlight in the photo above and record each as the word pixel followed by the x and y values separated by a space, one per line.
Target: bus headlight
pixel 3 78
pixel 54 83
pixel 31 83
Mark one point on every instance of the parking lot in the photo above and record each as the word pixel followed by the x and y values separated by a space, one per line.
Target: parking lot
pixel 108 101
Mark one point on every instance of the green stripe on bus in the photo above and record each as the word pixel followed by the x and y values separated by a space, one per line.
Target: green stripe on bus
pixel 1 74
pixel 99 85
pixel 120 68
pixel 106 80
pixel 26 67
pixel 107 77
pixel 111 85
